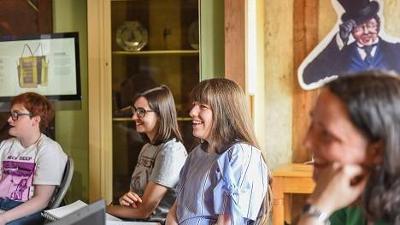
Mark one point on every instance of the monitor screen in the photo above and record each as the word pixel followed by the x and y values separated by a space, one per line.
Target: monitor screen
pixel 47 64
pixel 91 214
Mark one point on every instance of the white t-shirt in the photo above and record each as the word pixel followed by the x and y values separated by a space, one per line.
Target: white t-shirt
pixel 42 163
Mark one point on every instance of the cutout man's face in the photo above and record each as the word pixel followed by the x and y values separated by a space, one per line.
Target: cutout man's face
pixel 366 33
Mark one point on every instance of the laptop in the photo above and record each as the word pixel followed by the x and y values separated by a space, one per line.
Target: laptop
pixel 94 213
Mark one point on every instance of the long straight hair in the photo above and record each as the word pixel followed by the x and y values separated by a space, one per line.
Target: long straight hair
pixel 162 102
pixel 231 118
pixel 231 123
pixel 372 100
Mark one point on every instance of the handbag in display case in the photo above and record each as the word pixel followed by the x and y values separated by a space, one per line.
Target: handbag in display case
pixel 32 69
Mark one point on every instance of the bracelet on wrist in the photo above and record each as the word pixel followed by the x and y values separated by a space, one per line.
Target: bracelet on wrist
pixel 310 210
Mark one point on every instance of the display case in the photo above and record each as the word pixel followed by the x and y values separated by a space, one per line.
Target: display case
pixel 153 42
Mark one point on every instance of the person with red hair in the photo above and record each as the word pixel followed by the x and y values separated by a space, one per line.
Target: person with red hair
pixel 32 164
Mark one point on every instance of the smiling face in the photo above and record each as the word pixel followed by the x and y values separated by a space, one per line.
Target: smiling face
pixel 332 137
pixel 367 32
pixel 202 120
pixel 148 123
pixel 23 125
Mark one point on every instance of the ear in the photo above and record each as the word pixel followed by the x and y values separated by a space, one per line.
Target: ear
pixel 36 121
pixel 375 153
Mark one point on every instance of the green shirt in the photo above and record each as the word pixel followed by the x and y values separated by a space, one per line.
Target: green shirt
pixel 350 216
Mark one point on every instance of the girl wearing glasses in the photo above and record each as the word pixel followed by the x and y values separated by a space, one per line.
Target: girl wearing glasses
pixel 32 164
pixel 225 179
pixel 152 189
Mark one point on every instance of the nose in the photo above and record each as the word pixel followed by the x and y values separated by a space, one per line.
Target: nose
pixel 365 29
pixel 307 141
pixel 9 120
pixel 134 116
pixel 194 110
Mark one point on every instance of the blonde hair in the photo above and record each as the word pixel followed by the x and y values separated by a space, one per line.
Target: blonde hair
pixel 231 119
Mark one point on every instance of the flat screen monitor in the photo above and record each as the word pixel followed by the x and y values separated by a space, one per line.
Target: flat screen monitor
pixel 91 214
pixel 47 64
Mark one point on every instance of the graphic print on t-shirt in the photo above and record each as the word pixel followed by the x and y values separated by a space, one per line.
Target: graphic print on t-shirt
pixel 141 174
pixel 16 183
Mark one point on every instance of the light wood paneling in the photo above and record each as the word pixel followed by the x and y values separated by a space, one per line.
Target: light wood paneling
pixel 99 80
pixel 279 81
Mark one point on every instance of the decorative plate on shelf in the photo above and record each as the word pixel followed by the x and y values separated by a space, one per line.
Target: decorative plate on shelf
pixel 193 35
pixel 131 36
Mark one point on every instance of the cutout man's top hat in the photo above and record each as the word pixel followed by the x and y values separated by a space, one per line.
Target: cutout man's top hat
pixel 359 10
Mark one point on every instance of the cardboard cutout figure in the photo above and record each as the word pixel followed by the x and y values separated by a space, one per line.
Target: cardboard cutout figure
pixel 356 43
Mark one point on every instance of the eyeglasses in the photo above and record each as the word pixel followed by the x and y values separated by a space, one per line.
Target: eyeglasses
pixel 15 115
pixel 140 112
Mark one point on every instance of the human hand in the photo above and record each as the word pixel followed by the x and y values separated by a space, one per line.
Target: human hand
pixel 130 199
pixel 171 220
pixel 338 186
pixel 3 221
pixel 345 30
pixel 171 216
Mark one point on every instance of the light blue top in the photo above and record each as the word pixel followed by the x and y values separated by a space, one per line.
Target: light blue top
pixel 210 184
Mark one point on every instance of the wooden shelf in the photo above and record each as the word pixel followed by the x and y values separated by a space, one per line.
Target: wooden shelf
pixel 126 119
pixel 158 52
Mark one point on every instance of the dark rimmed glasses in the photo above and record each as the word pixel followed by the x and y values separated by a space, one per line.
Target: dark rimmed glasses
pixel 140 112
pixel 15 115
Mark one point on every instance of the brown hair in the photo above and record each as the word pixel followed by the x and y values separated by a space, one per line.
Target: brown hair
pixel 231 119
pixel 162 102
pixel 37 105
pixel 231 123
pixel 372 99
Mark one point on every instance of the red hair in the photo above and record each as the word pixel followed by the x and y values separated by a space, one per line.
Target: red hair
pixel 37 105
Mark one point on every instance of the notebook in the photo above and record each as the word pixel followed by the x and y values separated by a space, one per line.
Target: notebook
pixel 57 213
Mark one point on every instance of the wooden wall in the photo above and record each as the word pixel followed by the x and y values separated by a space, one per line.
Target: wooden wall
pixel 292 29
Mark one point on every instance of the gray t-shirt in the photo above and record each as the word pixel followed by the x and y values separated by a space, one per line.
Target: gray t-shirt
pixel 160 164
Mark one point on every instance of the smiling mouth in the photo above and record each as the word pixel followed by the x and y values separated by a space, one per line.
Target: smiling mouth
pixel 196 123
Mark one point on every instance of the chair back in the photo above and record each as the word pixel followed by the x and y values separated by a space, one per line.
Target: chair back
pixel 61 190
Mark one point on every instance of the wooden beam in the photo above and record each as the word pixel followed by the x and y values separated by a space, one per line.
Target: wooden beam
pixel 305 38
pixel 235 41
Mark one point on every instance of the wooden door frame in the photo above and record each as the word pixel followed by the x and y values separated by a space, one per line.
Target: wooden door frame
pixel 99 92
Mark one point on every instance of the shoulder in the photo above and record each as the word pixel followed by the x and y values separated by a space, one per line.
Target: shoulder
pixel 47 142
pixel 49 146
pixel 241 149
pixel 7 142
pixel 172 147
pixel 386 45
pixel 242 155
